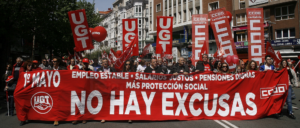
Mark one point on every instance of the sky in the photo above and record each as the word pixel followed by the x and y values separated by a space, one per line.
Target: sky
pixel 102 5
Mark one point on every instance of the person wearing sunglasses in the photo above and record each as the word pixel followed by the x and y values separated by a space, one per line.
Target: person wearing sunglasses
pixel 224 68
pixel 56 64
pixel 80 64
pixel 252 66
pixel 128 66
pixel 105 67
pixel 153 68
pixel 217 66
pixel 44 65
pixel 205 65
pixel 284 65
pixel 268 65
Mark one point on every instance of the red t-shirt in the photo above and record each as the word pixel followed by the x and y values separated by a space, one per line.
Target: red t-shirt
pixel 206 67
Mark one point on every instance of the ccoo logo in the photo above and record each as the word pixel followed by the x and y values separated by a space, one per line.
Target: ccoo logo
pixel 41 102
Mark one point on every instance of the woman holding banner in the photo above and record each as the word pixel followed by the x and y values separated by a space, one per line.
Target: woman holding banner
pixel 252 65
pixel 224 69
pixel 128 67
pixel 217 66
pixel 284 64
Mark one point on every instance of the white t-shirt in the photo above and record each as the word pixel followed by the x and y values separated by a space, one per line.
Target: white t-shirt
pixel 268 67
pixel 141 68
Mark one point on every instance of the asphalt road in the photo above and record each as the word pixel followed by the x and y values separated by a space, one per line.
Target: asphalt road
pixel 267 122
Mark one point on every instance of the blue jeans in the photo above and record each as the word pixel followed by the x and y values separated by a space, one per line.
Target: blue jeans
pixel 289 100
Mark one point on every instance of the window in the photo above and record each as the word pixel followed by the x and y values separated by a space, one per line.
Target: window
pixel 242 4
pixel 285 33
pixel 140 33
pixel 158 9
pixel 286 12
pixel 138 10
pixel 140 45
pixel 266 14
pixel 241 37
pixel 241 19
pixel 140 22
pixel 213 6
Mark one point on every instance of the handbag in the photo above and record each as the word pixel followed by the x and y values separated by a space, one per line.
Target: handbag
pixel 11 86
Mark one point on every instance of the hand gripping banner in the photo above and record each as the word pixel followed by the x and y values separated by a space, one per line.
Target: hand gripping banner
pixel 200 35
pixel 130 31
pixel 86 95
pixel 164 35
pixel 256 45
pixel 222 31
pixel 80 30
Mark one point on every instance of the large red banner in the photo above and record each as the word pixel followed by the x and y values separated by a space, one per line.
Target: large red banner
pixel 130 31
pixel 86 95
pixel 199 35
pixel 222 31
pixel 80 30
pixel 164 35
pixel 256 45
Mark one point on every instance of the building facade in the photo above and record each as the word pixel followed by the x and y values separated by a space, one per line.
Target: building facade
pixel 281 25
pixel 182 11
pixel 125 9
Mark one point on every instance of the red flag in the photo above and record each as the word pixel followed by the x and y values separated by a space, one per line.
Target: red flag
pixel 279 55
pixel 130 31
pixel 104 54
pixel 199 35
pixel 204 50
pixel 80 30
pixel 270 51
pixel 125 55
pixel 112 56
pixel 146 50
pixel 70 55
pixel 222 31
pixel 164 35
pixel 256 45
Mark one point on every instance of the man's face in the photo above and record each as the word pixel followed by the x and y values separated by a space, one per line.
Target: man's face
pixel 205 58
pixel 86 65
pixel 153 63
pixel 269 60
pixel 181 61
pixel 55 63
pixel 189 64
pixel 80 61
pixel 159 61
pixel 18 61
pixel 72 62
pixel 242 64
pixel 104 63
pixel 44 62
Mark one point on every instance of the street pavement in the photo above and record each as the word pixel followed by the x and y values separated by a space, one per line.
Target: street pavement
pixel 267 122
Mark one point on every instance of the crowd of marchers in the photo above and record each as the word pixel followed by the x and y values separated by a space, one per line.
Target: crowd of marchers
pixel 159 65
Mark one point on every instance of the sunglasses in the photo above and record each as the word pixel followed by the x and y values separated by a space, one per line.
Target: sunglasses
pixel 127 64
pixel 44 61
pixel 224 66
pixel 29 65
pixel 54 61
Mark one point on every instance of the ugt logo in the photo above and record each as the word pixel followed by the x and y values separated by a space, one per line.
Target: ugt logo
pixel 41 102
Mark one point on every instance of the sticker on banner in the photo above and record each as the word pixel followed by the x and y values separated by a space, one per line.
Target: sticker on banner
pixel 41 102
pixel 270 91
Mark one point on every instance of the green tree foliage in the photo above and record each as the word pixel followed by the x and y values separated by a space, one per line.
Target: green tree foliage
pixel 46 19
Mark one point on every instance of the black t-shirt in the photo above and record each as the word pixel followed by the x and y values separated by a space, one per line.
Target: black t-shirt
pixel 151 70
